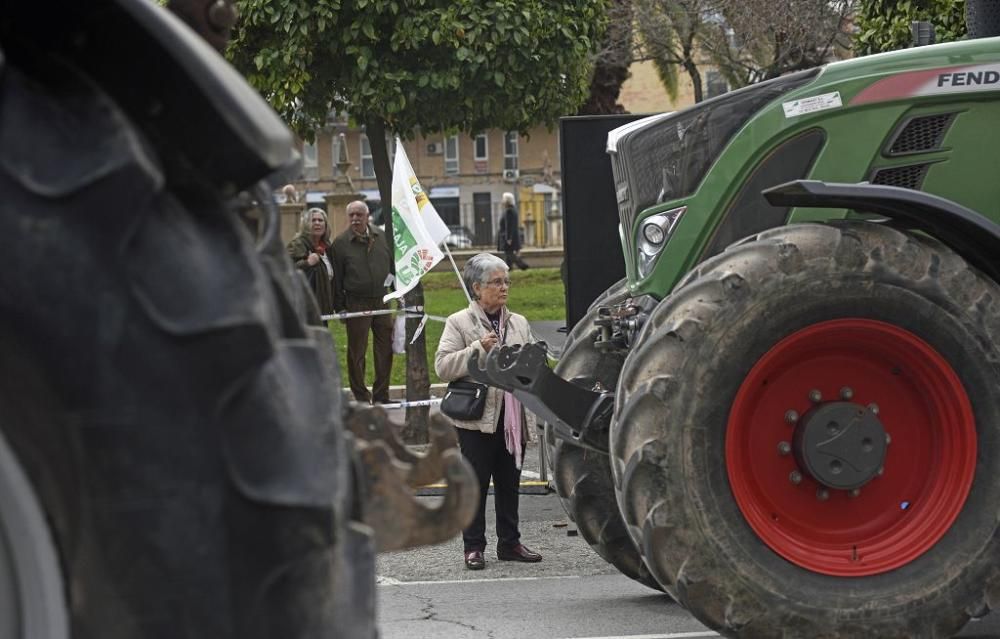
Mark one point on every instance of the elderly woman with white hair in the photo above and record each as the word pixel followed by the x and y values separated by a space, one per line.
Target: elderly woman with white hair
pixel 494 444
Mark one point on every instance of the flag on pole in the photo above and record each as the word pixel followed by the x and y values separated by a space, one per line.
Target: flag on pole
pixel 417 229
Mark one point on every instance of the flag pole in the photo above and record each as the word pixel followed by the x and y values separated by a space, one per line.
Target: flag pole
pixel 455 266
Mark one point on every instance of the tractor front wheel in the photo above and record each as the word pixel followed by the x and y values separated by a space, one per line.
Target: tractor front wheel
pixel 582 477
pixel 807 437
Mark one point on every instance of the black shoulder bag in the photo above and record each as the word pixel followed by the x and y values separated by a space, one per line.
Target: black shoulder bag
pixel 464 400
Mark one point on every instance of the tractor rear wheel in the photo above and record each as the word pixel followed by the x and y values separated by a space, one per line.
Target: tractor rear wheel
pixel 806 437
pixel 582 476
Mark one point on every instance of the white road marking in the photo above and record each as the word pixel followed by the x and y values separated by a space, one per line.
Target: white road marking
pixel 530 474
pixel 674 635
pixel 389 581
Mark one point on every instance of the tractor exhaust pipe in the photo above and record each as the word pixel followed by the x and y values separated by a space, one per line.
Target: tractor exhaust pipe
pixel 982 18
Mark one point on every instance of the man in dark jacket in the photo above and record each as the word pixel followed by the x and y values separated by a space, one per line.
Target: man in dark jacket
pixel 362 259
pixel 509 235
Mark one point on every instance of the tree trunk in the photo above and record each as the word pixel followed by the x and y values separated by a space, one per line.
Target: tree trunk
pixel 375 129
pixel 695 75
pixel 418 382
pixel 418 385
pixel 612 65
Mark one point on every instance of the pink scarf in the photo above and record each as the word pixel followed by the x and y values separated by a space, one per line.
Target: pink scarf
pixel 512 426
pixel 511 417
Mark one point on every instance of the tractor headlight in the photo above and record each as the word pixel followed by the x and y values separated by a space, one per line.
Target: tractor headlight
pixel 653 233
pixel 663 158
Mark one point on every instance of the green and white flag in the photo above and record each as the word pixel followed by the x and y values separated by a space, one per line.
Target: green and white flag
pixel 417 229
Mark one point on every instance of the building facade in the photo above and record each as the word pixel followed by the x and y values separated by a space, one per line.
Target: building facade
pixel 464 177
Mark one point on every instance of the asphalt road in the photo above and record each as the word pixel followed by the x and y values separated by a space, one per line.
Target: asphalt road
pixel 427 592
pixel 571 594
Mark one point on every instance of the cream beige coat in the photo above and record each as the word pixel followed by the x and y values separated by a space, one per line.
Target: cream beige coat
pixel 460 338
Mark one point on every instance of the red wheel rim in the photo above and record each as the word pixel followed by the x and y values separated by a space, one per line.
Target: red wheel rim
pixel 928 466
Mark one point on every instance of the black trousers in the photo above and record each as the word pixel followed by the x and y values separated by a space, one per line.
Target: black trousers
pixel 357 349
pixel 488 456
pixel 513 258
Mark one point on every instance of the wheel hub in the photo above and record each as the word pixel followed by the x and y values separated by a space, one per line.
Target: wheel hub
pixel 809 457
pixel 841 444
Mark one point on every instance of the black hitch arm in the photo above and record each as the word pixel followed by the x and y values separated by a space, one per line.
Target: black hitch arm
pixel 576 414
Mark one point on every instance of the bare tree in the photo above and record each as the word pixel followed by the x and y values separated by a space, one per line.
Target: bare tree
pixel 745 40
pixel 754 40
pixel 670 33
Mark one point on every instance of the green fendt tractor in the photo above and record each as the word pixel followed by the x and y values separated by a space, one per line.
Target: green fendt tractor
pixel 787 416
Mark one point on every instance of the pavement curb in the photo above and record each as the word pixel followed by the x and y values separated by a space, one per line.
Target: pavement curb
pixel 532 487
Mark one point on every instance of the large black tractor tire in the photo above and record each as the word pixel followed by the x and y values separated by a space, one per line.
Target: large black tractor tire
pixel 806 441
pixel 582 477
pixel 32 588
pixel 172 454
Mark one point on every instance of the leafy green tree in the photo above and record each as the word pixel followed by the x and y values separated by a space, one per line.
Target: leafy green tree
pixel 884 25
pixel 398 66
pixel 433 65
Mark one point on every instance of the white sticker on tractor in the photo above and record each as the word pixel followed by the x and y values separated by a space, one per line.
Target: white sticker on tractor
pixel 812 104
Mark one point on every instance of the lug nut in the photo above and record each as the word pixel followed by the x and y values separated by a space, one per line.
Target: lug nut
pixel 815 396
pixel 795 477
pixel 791 417
pixel 855 492
pixel 822 494
pixel 784 448
pixel 846 393
pixel 873 407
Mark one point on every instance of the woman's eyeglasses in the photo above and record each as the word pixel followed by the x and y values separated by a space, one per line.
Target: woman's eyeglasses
pixel 498 282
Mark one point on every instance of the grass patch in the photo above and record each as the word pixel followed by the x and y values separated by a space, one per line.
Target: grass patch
pixel 536 293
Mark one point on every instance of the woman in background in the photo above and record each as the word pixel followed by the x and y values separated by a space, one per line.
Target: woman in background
pixel 308 251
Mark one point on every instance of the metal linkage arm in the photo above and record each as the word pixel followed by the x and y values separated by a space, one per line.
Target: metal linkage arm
pixel 387 471
pixel 576 413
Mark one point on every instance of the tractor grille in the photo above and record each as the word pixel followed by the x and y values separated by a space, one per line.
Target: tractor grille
pixel 907 177
pixel 920 134
pixel 667 158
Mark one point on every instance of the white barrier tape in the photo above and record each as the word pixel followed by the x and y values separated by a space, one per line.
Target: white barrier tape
pixel 420 329
pixel 436 318
pixel 333 316
pixel 417 402
pixel 411 311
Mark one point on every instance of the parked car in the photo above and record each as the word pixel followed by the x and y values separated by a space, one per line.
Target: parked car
pixel 459 238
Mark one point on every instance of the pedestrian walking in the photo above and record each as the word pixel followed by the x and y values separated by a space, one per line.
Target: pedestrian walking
pixel 509 234
pixel 362 259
